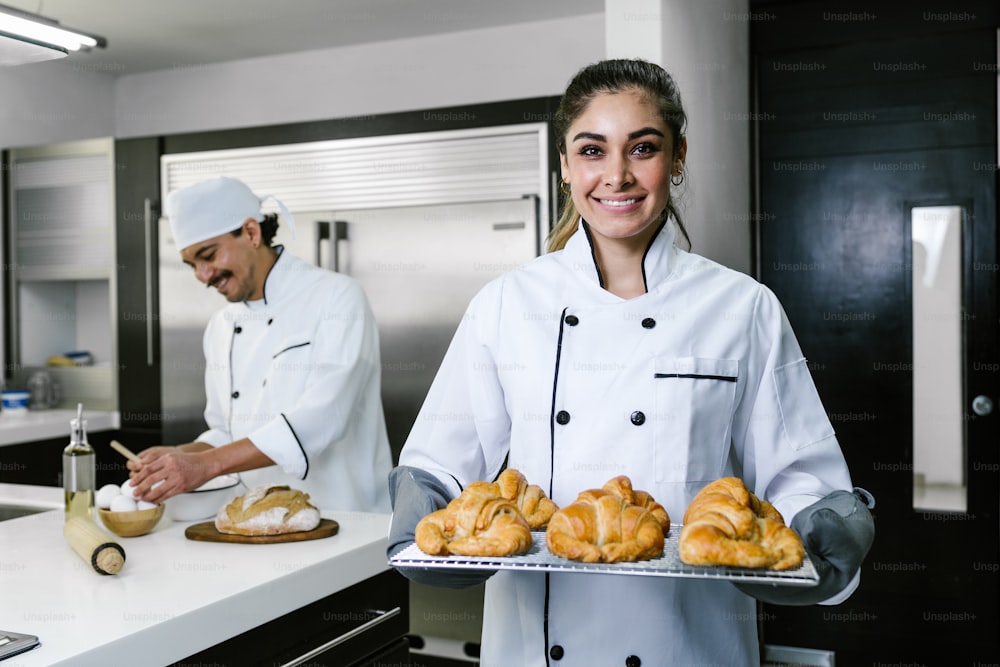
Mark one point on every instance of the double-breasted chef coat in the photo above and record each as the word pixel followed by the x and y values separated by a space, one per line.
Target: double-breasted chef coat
pixel 299 374
pixel 699 378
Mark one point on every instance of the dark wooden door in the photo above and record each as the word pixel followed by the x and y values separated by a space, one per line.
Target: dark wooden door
pixel 862 115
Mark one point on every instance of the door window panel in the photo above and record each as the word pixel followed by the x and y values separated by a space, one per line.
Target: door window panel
pixel 938 359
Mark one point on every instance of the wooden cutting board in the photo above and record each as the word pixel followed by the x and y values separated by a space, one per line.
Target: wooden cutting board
pixel 206 532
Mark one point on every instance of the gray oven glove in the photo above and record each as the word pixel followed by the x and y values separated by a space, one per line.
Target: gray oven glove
pixel 837 532
pixel 415 493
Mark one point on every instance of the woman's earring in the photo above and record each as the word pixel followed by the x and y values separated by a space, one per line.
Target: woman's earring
pixel 564 187
pixel 677 179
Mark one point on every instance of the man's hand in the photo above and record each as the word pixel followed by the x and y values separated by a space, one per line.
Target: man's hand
pixel 164 472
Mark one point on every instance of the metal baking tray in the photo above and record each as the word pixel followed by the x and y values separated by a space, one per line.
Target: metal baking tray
pixel 539 559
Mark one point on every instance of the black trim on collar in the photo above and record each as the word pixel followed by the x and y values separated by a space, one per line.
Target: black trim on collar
pixel 652 240
pixel 299 443
pixel 593 253
pixel 278 249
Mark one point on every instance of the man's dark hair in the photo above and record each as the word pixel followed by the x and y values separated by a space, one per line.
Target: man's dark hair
pixel 268 228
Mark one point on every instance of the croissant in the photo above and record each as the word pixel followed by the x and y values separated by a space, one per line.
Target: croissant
pixel 726 524
pixel 600 526
pixel 479 522
pixel 530 500
pixel 622 486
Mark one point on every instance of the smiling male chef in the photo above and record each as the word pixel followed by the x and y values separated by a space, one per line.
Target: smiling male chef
pixel 293 372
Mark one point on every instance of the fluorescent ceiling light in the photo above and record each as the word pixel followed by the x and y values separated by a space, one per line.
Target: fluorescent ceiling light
pixel 26 37
pixel 16 51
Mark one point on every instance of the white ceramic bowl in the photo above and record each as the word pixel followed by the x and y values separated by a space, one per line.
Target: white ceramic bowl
pixel 205 501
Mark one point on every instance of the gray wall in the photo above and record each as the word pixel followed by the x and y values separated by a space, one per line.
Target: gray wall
pixel 705 46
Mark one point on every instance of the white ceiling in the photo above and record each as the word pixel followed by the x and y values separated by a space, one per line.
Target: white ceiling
pixel 146 35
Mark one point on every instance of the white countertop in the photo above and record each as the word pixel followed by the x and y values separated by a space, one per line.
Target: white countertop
pixel 174 597
pixel 44 424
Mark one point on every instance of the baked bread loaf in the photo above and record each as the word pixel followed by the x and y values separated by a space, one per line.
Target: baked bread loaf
pixel 479 522
pixel 600 526
pixel 268 510
pixel 530 500
pixel 622 486
pixel 726 524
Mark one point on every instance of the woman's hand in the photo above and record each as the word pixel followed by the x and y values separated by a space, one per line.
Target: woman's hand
pixel 416 493
pixel 837 532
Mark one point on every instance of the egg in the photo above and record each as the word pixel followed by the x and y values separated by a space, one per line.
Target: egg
pixel 127 489
pixel 143 505
pixel 123 504
pixel 106 494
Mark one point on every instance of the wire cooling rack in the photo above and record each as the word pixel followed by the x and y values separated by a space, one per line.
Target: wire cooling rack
pixel 539 559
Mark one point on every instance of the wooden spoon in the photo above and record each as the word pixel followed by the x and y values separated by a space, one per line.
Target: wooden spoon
pixel 125 451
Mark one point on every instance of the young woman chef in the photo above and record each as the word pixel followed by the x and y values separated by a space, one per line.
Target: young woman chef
pixel 621 353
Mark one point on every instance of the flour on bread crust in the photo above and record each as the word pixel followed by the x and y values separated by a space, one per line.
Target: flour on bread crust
pixel 268 510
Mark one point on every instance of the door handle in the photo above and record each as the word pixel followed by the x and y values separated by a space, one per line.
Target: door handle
pixel 982 405
pixel 147 221
pixel 501 226
pixel 382 617
pixel 339 234
pixel 322 235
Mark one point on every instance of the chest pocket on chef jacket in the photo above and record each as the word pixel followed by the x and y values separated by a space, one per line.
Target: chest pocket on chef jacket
pixel 290 365
pixel 694 409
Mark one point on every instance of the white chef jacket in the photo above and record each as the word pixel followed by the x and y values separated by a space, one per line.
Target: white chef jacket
pixel 699 378
pixel 299 374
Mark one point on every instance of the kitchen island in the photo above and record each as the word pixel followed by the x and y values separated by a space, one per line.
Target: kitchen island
pixel 177 598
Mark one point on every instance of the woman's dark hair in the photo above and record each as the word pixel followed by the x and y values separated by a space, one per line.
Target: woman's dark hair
pixel 268 228
pixel 615 76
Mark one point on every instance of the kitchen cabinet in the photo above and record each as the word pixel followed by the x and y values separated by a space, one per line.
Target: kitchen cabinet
pixel 61 256
pixel 81 238
pixel 38 460
pixel 31 446
pixel 361 625
pixel 137 207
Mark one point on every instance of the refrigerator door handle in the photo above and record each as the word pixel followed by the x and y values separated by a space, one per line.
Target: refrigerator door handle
pixel 147 220
pixel 501 226
pixel 322 236
pixel 339 234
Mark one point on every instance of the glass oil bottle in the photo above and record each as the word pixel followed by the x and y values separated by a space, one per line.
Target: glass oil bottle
pixel 79 469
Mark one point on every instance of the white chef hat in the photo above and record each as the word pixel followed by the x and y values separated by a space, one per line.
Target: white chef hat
pixel 214 207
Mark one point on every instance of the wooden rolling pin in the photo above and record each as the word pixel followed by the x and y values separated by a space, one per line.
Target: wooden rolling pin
pixel 94 545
